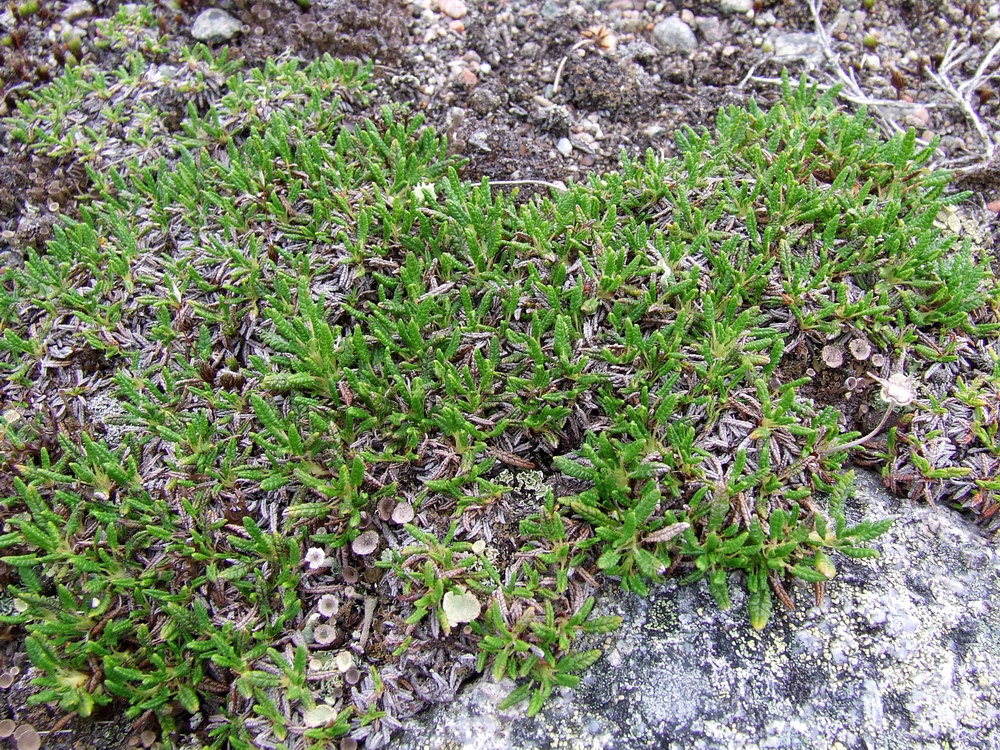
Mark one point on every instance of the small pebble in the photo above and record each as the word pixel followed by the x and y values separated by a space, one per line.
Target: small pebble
pixel 673 35
pixel 453 8
pixel 918 118
pixel 564 146
pixel 736 6
pixel 871 62
pixel 765 19
pixel 711 29
pixel 77 10
pixel 467 77
pixel 215 25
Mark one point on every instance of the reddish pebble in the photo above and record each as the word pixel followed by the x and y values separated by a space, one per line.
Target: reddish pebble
pixel 457 26
pixel 994 206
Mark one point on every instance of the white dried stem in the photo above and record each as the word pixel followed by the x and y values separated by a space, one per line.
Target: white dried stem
pixel 854 91
pixel 955 55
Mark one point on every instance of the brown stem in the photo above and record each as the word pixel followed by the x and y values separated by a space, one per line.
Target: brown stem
pixel 860 440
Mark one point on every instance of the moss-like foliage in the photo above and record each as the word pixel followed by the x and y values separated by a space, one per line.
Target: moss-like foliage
pixel 318 336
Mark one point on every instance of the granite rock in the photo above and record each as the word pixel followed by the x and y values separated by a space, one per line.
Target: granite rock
pixel 902 654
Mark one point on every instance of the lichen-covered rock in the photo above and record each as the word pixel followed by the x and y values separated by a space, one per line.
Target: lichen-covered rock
pixel 902 654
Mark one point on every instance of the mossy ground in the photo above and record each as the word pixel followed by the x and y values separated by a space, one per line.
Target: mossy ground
pixel 310 337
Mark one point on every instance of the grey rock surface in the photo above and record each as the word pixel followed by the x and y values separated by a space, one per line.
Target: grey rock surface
pixel 673 35
pixel 903 654
pixel 214 25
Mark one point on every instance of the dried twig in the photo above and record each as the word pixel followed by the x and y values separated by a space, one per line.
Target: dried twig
pixel 370 602
pixel 955 55
pixel 551 185
pixel 867 101
pixel 846 77
pixel 562 63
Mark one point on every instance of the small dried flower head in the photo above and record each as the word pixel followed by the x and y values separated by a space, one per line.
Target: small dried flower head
pixel 7 727
pixel 860 349
pixel 324 635
pixel 352 676
pixel 328 605
pixel 344 660
pixel 878 360
pixel 898 389
pixel 319 716
pixel 231 380
pixel 315 557
pixel 603 37
pixel 460 607
pixel 424 192
pixel 833 355
pixel 385 508
pixel 350 574
pixel 402 513
pixel 366 543
pixel 6 680
pixel 26 738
